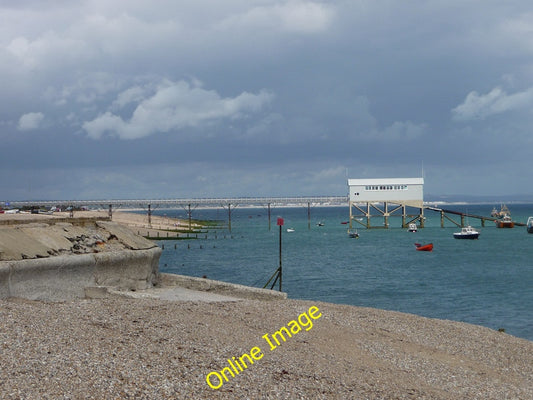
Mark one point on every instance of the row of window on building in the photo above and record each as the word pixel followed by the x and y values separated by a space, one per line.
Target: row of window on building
pixel 386 187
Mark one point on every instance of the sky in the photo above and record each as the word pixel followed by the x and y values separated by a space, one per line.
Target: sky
pixel 108 99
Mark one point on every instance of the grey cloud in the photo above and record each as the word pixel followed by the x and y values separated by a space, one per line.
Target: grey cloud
pixel 30 121
pixel 174 106
pixel 497 101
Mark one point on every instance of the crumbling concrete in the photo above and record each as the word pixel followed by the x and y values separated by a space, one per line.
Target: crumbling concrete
pixel 56 261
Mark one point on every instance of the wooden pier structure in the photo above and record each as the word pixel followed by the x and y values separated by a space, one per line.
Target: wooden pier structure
pixel 463 216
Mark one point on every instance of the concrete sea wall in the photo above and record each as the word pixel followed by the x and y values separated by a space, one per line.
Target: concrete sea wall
pixel 66 277
pixel 62 259
pixel 56 260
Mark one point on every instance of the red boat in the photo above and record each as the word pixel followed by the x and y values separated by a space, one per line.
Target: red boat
pixel 424 247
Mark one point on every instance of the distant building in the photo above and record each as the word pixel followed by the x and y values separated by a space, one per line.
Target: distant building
pixel 394 193
pixel 394 190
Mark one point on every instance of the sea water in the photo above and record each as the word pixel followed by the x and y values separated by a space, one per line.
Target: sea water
pixel 488 281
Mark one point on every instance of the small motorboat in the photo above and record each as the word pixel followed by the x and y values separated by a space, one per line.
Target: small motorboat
pixel 466 233
pixel 529 225
pixel 505 222
pixel 424 247
pixel 320 223
pixel 354 235
pixel 290 230
pixel 412 227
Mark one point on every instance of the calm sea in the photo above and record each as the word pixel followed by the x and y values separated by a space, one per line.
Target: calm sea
pixel 487 282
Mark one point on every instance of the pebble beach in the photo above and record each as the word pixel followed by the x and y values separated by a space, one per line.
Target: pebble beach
pixel 153 349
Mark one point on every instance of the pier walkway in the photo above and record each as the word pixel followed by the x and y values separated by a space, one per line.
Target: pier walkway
pixel 189 204
pixel 443 216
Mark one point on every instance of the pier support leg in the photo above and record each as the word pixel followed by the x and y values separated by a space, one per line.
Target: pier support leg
pixel 229 217
pixel 351 216
pixel 404 217
pixel 189 214
pixel 422 217
pixel 269 216
pixel 309 216
pixel 462 221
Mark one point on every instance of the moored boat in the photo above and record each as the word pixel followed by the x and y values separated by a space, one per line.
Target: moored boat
pixel 505 222
pixel 354 235
pixel 466 233
pixel 412 227
pixel 529 225
pixel 500 214
pixel 424 247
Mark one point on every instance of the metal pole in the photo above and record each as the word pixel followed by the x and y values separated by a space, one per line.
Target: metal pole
pixel 280 267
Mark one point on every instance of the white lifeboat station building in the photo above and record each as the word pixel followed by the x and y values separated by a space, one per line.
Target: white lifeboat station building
pixel 386 197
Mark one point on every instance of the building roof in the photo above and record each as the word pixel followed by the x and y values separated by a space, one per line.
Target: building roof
pixel 386 181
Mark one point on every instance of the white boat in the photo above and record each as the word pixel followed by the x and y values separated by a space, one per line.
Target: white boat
pixel 466 233
pixel 529 225
pixel 290 230
pixel 412 227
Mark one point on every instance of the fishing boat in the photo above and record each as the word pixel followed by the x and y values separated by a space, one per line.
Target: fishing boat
pixel 529 225
pixel 412 227
pixel 505 222
pixel 466 233
pixel 500 214
pixel 424 247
